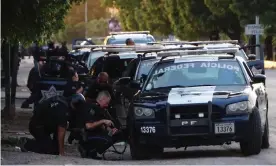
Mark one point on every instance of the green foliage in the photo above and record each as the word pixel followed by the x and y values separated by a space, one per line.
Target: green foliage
pixel 247 10
pixel 95 28
pixel 189 19
pixel 194 19
pixel 28 20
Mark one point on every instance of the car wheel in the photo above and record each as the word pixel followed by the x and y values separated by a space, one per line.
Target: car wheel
pixel 265 141
pixel 251 145
pixel 142 151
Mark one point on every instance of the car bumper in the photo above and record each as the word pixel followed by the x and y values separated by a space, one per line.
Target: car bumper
pixel 191 135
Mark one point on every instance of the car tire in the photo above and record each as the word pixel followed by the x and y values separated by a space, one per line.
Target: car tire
pixel 265 139
pixel 251 145
pixel 142 151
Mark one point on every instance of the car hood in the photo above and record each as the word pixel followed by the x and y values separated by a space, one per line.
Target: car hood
pixel 193 95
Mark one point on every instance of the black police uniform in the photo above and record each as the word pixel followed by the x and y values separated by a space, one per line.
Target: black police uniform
pixel 95 88
pixel 71 89
pixel 32 79
pixel 47 117
pixel 96 140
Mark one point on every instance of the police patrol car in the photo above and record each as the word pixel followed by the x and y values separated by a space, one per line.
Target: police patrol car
pixel 204 97
pixel 119 38
pixel 256 65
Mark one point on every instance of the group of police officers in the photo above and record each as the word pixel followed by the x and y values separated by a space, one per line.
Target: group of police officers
pixel 90 118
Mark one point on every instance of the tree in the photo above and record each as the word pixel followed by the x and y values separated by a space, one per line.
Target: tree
pixel 26 21
pixel 227 21
pixel 95 28
pixel 95 11
pixel 265 9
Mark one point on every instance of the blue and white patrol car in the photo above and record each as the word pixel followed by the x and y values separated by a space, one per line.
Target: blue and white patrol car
pixel 256 65
pixel 203 97
pixel 119 38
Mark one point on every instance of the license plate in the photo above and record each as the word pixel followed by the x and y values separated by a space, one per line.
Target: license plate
pixel 224 128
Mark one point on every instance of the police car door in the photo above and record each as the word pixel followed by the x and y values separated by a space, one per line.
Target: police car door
pixel 128 91
pixel 261 95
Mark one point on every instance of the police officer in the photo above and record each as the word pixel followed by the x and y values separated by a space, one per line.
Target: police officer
pixel 129 42
pixel 99 129
pixel 101 84
pixel 32 79
pixel 73 85
pixel 50 117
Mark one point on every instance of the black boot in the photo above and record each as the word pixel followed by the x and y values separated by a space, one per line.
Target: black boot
pixel 25 105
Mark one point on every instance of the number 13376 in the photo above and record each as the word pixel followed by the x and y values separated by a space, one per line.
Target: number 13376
pixel 148 129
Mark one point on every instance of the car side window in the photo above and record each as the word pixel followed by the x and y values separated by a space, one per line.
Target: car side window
pixel 97 67
pixel 131 69
pixel 248 70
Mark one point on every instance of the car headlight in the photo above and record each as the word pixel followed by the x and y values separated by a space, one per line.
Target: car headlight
pixel 240 107
pixel 144 112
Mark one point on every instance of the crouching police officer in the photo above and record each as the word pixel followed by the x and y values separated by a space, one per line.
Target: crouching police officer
pixel 102 84
pixel 100 133
pixel 50 117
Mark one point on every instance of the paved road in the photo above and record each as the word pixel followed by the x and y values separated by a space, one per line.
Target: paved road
pixel 18 103
pixel 207 155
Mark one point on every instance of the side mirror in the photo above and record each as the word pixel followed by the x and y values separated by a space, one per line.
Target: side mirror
pixel 134 85
pixel 259 78
pixel 124 80
pixel 252 57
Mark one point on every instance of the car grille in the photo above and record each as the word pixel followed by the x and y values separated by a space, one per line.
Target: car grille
pixel 192 111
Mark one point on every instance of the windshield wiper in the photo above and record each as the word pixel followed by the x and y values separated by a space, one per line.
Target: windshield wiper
pixel 165 87
pixel 155 93
pixel 222 93
pixel 198 85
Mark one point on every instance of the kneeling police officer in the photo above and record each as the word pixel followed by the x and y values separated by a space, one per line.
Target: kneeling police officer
pixel 100 133
pixel 50 117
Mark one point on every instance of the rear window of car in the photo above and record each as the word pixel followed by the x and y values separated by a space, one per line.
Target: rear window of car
pixel 137 40
pixel 93 57
pixel 113 65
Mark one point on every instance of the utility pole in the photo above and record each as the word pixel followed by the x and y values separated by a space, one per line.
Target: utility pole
pixel 257 22
pixel 85 17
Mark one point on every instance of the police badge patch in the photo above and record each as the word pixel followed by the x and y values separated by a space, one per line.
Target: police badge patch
pixel 92 111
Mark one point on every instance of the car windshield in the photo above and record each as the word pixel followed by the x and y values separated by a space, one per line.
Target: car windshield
pixel 93 57
pixel 199 73
pixel 137 40
pixel 145 67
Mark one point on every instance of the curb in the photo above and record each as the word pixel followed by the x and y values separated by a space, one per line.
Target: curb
pixel 270 64
pixel 13 140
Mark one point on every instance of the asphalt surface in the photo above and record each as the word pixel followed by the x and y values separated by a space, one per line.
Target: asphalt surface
pixel 207 155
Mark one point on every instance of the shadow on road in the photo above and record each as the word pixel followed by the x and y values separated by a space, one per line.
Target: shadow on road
pixel 201 154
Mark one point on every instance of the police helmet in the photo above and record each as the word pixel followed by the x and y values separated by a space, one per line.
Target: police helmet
pixel 51 45
pixel 77 100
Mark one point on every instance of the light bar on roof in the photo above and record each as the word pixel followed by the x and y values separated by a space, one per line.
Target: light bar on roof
pixel 196 42
pixel 197 52
pixel 136 48
pixel 169 49
pixel 129 32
